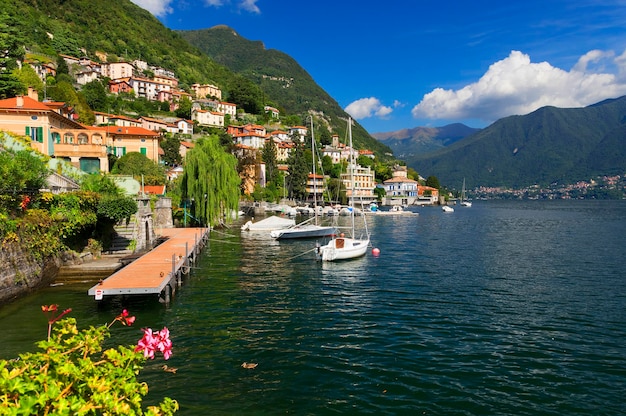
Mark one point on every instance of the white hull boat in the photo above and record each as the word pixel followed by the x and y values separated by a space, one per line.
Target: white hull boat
pixel 268 224
pixel 343 248
pixel 304 231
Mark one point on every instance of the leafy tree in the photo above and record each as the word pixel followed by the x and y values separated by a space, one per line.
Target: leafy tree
pixel 10 53
pixel 246 95
pixel 327 164
pixel 268 154
pixel 365 161
pixel 433 182
pixel 116 208
pixel 184 108
pixel 171 149
pixel 380 193
pixel 383 172
pixel 99 183
pixel 325 137
pixel 138 165
pixel 62 68
pixel 298 171
pixel 211 181
pixel 28 77
pixel 412 174
pixel 95 95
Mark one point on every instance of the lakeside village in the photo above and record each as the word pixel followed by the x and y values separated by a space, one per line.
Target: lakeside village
pixel 55 131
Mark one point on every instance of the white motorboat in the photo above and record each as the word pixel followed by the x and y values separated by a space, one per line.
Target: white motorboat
pixel 268 224
pixel 446 208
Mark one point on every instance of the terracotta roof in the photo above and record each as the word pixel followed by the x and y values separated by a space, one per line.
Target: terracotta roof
pixel 399 179
pixel 28 104
pixel 154 189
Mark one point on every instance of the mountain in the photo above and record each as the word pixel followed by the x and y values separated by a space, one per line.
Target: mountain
pixel 287 85
pixel 561 145
pixel 125 32
pixel 408 143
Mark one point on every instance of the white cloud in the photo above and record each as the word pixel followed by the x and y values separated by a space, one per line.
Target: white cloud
pixel 367 107
pixel 250 6
pixel 515 85
pixel 158 8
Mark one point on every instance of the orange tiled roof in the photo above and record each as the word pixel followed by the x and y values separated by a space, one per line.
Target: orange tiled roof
pixel 29 104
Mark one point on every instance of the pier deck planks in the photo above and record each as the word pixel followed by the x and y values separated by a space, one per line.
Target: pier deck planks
pixel 152 272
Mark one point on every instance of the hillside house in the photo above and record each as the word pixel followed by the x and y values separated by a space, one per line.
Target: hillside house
pixel 206 90
pixel 53 132
pixel 116 70
pixel 208 118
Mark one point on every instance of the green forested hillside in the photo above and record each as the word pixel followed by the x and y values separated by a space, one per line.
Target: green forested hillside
pixel 286 84
pixel 117 27
pixel 546 146
pixel 126 32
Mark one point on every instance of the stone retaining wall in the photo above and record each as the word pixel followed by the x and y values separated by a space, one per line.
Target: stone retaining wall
pixel 20 273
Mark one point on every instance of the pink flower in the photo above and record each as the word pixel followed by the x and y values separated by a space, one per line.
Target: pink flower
pixel 146 344
pixel 153 341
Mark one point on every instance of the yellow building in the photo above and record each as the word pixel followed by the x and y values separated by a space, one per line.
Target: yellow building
pixel 59 136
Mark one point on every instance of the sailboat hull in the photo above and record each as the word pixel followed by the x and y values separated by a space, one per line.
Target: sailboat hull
pixel 304 231
pixel 342 248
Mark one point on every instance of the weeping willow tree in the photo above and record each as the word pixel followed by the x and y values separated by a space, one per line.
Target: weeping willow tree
pixel 210 181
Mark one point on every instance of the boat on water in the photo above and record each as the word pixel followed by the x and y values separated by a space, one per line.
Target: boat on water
pixel 464 202
pixel 447 208
pixel 269 224
pixel 344 247
pixel 308 228
pixel 394 210
pixel 304 230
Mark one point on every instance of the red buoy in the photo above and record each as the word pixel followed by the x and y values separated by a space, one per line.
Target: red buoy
pixel 376 252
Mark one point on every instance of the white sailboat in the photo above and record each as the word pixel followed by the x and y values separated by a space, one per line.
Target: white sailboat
pixel 309 228
pixel 344 247
pixel 464 202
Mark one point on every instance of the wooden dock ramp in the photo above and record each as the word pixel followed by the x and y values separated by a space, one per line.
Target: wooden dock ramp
pixel 160 270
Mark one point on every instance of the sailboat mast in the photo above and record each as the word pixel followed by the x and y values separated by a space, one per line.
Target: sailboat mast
pixel 314 177
pixel 351 171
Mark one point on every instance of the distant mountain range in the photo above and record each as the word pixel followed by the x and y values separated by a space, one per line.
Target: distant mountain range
pixel 409 143
pixel 549 145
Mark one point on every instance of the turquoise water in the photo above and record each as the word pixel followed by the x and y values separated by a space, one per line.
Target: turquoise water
pixel 503 308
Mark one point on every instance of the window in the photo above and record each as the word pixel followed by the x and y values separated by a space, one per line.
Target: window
pixel 83 139
pixel 35 133
pixel 143 151
pixel 120 151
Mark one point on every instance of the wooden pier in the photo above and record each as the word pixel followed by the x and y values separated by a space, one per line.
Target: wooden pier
pixel 160 270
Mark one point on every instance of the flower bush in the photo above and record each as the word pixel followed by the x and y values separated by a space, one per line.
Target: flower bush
pixel 72 375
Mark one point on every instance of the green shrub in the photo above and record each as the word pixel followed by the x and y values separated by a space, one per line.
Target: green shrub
pixel 72 375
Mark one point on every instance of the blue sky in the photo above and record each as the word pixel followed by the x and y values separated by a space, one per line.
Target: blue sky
pixel 408 63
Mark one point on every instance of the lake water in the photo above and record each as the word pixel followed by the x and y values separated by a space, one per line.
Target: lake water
pixel 507 307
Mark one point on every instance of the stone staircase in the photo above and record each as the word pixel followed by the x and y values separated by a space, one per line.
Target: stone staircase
pixel 123 235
